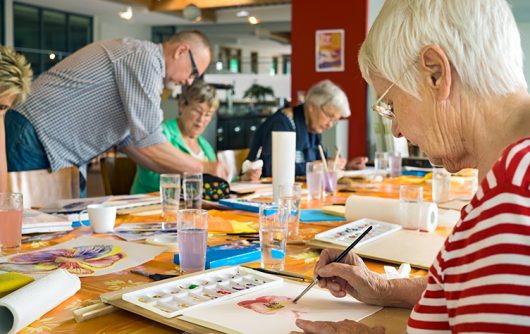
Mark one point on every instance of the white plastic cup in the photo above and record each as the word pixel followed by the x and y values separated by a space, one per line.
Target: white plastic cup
pixel 102 217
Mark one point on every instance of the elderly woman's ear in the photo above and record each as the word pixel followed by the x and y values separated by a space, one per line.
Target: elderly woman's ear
pixel 436 71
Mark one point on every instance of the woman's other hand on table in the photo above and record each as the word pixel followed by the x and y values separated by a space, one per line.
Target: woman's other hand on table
pixel 340 327
pixel 252 175
pixel 357 163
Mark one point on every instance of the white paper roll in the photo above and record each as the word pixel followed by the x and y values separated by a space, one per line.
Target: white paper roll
pixel 283 157
pixel 20 308
pixel 387 210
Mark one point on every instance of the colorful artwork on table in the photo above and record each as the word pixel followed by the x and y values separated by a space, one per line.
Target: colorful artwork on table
pixel 85 256
pixel 82 260
pixel 270 310
pixel 273 305
pixel 330 50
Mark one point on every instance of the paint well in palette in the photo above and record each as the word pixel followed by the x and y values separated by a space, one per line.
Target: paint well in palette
pixel 172 298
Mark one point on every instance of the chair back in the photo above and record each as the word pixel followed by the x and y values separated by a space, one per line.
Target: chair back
pixel 117 174
pixel 41 188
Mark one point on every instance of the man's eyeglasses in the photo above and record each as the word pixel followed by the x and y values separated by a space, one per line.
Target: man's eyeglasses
pixel 194 70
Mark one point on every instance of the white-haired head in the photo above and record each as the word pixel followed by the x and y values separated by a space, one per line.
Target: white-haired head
pixel 326 93
pixel 480 38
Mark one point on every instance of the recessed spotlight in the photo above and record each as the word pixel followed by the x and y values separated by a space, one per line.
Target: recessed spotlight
pixel 52 56
pixel 242 13
pixel 253 20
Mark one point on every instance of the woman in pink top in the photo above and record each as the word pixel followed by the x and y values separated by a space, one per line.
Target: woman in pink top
pixel 449 75
pixel 15 79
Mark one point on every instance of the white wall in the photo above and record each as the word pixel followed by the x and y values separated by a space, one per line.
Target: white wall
pixel 524 30
pixel 114 27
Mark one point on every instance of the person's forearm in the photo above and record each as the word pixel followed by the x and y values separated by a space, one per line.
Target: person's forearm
pixel 164 158
pixel 405 292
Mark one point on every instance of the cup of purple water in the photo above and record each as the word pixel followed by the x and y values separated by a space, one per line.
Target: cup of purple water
pixel 329 181
pixel 192 238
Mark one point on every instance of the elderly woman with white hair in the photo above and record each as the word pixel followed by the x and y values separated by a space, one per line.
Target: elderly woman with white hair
pixel 15 81
pixel 450 77
pixel 324 105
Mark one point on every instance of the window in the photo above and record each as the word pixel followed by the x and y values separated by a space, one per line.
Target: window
pixel 254 62
pixel 274 67
pixel 286 64
pixel 46 36
pixel 161 33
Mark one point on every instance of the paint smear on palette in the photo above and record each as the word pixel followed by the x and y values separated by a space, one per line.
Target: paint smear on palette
pixel 270 305
pixel 81 260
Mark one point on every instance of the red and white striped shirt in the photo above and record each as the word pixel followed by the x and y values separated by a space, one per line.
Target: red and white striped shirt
pixel 480 280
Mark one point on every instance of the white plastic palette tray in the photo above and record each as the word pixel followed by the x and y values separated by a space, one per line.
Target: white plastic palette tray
pixel 173 298
pixel 344 235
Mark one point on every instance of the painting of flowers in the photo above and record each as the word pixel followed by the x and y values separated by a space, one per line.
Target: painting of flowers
pixel 84 256
pixel 82 260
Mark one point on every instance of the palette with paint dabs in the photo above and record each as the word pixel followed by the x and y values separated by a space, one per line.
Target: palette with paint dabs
pixel 344 235
pixel 173 298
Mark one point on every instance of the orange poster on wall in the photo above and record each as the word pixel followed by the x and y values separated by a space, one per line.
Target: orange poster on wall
pixel 330 50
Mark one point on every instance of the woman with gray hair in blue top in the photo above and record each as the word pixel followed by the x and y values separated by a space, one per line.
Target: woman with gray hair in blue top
pixel 324 106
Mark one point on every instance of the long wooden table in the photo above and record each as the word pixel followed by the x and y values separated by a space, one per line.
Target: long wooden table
pixel 300 259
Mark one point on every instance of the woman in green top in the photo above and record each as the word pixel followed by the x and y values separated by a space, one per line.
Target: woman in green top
pixel 197 104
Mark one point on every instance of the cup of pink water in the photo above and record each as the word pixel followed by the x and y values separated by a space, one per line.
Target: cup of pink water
pixel 192 238
pixel 10 221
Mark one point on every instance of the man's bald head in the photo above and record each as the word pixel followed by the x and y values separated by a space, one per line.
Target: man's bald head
pixel 180 49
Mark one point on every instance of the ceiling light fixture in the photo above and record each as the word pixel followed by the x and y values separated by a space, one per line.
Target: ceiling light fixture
pixel 253 20
pixel 242 13
pixel 127 14
pixel 192 13
pixel 52 56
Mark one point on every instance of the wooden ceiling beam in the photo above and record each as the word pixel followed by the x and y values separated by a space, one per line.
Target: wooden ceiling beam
pixel 173 5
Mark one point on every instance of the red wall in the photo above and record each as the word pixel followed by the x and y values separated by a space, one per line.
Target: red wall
pixel 350 15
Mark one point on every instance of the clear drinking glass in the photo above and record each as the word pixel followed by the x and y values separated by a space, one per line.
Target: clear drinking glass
pixel 273 232
pixel 381 162
pixel 410 203
pixel 170 196
pixel 441 185
pixel 192 238
pixel 314 177
pixel 192 186
pixel 330 178
pixel 394 164
pixel 11 206
pixel 290 198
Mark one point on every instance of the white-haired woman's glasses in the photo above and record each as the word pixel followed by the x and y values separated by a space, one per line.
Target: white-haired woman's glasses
pixel 382 108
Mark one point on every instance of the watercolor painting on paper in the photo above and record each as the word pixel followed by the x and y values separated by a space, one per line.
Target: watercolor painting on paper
pixel 84 256
pixel 271 310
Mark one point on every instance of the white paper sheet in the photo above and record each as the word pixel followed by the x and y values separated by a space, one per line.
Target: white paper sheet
pixel 27 304
pixel 88 257
pixel 317 304
pixel 283 160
